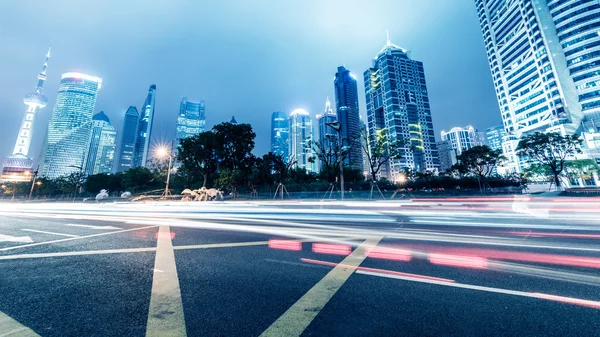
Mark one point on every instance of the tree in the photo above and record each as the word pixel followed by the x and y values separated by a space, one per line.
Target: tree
pixel 550 149
pixel 281 166
pixel 235 143
pixel 538 172
pixel 102 181
pixel 479 161
pixel 378 150
pixel 137 180
pixel 581 169
pixel 328 155
pixel 198 156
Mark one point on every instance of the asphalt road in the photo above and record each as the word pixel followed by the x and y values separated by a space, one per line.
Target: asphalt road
pixel 452 267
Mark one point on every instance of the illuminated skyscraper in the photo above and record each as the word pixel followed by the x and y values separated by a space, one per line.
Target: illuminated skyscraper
pixel 128 136
pixel 69 129
pixel 300 136
pixel 328 137
pixel 279 134
pixel 191 119
pixel 494 136
pixel 101 151
pixel 346 104
pixel 461 139
pixel 19 165
pixel 398 102
pixel 144 129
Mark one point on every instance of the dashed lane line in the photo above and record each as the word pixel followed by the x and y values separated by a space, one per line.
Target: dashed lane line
pixel 78 253
pixel 50 233
pixel 11 328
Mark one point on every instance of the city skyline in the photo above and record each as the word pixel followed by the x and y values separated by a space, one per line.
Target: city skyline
pixel 126 77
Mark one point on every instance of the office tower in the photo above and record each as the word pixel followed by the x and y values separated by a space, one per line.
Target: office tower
pixel 328 137
pixel 128 136
pixel 462 138
pixel 69 128
pixel 191 119
pixel 346 104
pixel 543 56
pixel 280 134
pixel 19 165
pixel 300 137
pixel 101 151
pixel 494 136
pixel 144 129
pixel 397 102
pixel 447 155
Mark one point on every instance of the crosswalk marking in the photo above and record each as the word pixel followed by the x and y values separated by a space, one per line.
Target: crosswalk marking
pixel 91 226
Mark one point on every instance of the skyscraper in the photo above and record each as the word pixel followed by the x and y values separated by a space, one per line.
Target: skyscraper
pixel 280 134
pixel 494 136
pixel 328 137
pixel 543 56
pixel 191 119
pixel 101 151
pixel 300 136
pixel 144 129
pixel 128 137
pixel 19 163
pixel 397 102
pixel 346 104
pixel 68 132
pixel 461 139
pixel 447 155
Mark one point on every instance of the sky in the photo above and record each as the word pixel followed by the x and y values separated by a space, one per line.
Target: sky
pixel 243 58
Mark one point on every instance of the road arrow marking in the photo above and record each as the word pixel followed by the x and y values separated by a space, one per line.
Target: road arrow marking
pixel 8 238
pixel 91 226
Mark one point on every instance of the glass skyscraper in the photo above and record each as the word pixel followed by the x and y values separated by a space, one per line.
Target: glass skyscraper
pixel 101 151
pixel 69 128
pixel 191 119
pixel 300 136
pixel 328 137
pixel 346 103
pixel 494 136
pixel 545 62
pixel 397 101
pixel 461 139
pixel 144 129
pixel 280 134
pixel 128 137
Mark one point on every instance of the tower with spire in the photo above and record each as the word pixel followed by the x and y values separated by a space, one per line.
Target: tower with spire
pixel 18 167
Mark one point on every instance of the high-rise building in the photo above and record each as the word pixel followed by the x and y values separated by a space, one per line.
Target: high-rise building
pixel 144 129
pixel 300 150
pixel 328 137
pixel 462 138
pixel 19 165
pixel 494 136
pixel 191 119
pixel 68 132
pixel 346 104
pixel 447 155
pixel 397 102
pixel 543 56
pixel 128 136
pixel 101 151
pixel 280 134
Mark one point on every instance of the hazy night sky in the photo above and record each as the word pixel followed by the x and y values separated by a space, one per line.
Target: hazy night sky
pixel 244 58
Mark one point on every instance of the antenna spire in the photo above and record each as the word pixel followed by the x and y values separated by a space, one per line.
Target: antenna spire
pixel 387 34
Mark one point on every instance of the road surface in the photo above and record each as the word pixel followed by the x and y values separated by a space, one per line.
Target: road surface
pixel 443 267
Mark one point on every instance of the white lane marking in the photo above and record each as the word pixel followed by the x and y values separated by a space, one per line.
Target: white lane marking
pixel 297 318
pixel 51 233
pixel 165 315
pixel 223 245
pixel 77 253
pixel 91 226
pixel 77 238
pixel 570 300
pixel 8 238
pixel 11 328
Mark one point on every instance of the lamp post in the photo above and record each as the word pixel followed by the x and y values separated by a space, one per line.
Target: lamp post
pixel 33 183
pixel 162 152
pixel 337 126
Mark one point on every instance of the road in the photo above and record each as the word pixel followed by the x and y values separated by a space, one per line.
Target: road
pixel 422 267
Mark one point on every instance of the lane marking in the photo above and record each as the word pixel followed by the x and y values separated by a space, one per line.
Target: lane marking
pixel 51 233
pixel 165 315
pixel 21 239
pixel 91 226
pixel 77 253
pixel 77 238
pixel 297 318
pixel 223 245
pixel 11 328
pixel 562 299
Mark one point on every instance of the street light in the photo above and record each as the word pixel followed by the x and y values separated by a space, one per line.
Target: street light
pixel 161 152
pixel 337 126
pixel 33 183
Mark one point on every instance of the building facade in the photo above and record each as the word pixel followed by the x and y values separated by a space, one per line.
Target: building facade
pixel 280 134
pixel 398 103
pixel 191 119
pixel 144 129
pixel 301 134
pixel 19 166
pixel 69 128
pixel 447 155
pixel 494 136
pixel 328 137
pixel 461 139
pixel 101 151
pixel 346 104
pixel 544 57
pixel 128 136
